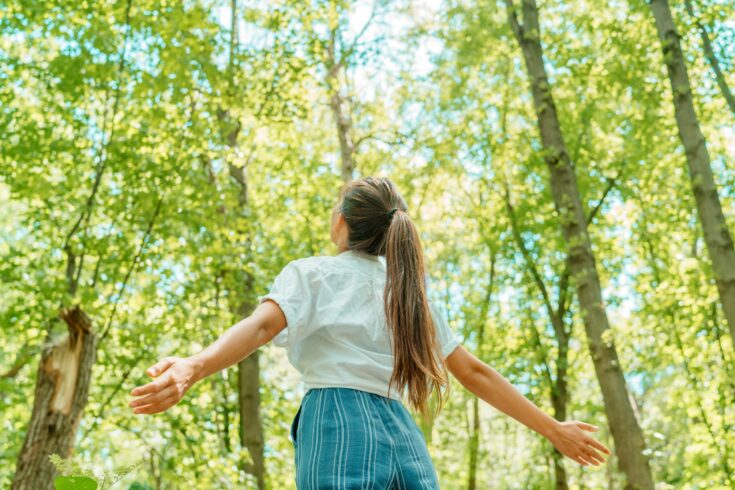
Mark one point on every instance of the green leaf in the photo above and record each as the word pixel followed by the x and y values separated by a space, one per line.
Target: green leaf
pixel 74 483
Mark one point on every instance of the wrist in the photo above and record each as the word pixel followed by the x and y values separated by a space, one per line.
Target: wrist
pixel 198 363
pixel 551 429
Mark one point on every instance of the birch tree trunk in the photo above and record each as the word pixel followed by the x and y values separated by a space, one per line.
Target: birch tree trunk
pixel 626 432
pixel 716 232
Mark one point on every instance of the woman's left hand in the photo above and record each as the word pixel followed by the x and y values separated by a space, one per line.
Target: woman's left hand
pixel 571 439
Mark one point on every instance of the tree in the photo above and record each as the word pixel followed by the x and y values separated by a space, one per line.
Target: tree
pixel 716 231
pixel 629 441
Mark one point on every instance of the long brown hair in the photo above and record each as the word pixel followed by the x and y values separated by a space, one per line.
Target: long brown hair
pixel 378 224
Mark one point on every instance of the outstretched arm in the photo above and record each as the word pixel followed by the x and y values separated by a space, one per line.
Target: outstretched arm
pixel 489 385
pixel 175 375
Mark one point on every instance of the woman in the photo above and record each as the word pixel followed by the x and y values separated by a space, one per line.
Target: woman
pixel 364 335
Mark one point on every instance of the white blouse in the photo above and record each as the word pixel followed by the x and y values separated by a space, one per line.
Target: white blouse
pixel 336 331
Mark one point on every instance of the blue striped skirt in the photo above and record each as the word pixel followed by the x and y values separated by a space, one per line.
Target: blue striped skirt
pixel 348 439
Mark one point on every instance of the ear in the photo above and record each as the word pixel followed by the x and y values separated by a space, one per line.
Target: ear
pixel 340 228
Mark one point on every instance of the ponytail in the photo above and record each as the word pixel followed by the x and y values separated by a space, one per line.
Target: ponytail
pixel 378 225
pixel 416 362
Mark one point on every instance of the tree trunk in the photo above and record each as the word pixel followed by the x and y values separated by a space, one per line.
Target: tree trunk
pixel 474 445
pixel 248 383
pixel 65 367
pixel 251 425
pixel 626 431
pixel 559 397
pixel 344 130
pixel 474 441
pixel 557 387
pixel 716 233
pixel 60 396
pixel 248 387
pixel 341 114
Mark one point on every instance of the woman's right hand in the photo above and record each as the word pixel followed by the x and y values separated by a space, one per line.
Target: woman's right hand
pixel 173 376
pixel 572 441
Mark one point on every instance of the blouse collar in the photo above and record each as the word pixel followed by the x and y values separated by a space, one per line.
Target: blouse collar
pixel 363 255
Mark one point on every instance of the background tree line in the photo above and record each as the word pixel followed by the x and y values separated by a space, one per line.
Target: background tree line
pixel 569 164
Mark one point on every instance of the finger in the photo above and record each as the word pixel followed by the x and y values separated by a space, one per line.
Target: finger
pixel 578 460
pixel 153 397
pixel 160 366
pixel 587 427
pixel 151 387
pixel 598 445
pixel 573 456
pixel 159 407
pixel 584 458
pixel 593 456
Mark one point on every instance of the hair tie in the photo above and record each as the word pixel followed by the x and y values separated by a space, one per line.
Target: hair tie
pixel 392 212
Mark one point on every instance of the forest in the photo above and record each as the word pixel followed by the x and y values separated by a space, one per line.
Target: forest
pixel 570 165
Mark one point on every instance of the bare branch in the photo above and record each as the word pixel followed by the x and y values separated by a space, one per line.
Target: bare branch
pixel 530 263
pixel 513 20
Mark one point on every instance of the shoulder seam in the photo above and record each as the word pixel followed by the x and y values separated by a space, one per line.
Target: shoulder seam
pixel 307 264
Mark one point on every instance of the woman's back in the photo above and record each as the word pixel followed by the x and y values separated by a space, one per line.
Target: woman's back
pixel 336 334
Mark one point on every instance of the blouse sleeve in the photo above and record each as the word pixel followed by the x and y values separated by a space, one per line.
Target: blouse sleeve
pixel 448 340
pixel 295 295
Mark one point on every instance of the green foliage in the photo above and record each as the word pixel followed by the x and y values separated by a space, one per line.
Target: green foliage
pixel 75 476
pixel 166 253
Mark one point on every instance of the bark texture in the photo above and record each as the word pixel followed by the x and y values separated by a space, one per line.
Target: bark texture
pixel 248 385
pixel 626 431
pixel 251 424
pixel 344 132
pixel 339 106
pixel 62 385
pixel 716 232
pixel 473 445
